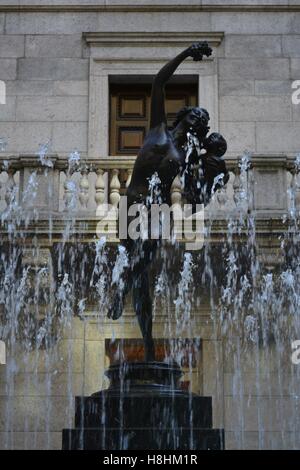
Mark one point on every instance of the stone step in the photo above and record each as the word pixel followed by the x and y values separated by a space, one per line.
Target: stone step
pixel 142 409
pixel 143 439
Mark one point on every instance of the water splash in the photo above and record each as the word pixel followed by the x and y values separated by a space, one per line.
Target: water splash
pixel 43 155
pixel 74 160
pixel 3 144
pixel 192 144
pixel 258 313
pixel 218 181
pixel 154 190
pixel 183 303
pixel 122 262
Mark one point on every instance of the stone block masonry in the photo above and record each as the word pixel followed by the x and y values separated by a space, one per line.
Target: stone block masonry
pixel 46 65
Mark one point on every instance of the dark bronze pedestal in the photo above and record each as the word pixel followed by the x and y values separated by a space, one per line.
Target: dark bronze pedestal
pixel 143 408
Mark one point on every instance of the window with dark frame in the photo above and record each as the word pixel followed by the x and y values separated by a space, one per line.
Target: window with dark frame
pixel 130 112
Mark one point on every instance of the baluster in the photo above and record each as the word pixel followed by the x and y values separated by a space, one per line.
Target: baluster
pixel 100 194
pixel 294 191
pixel 176 199
pixel 114 191
pixel 129 176
pixel 1 186
pixel 114 199
pixel 84 188
pixel 10 193
pixel 236 186
pixel 250 188
pixel 70 193
pixel 176 196
pixel 297 182
pixel 222 197
pixel 297 191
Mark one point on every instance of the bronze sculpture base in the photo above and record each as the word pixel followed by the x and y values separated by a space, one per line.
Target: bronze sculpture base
pixel 144 408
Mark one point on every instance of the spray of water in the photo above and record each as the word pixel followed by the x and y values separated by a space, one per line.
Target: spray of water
pixel 254 308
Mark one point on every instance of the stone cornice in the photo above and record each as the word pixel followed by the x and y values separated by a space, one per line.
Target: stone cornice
pixel 269 227
pixel 106 39
pixel 150 8
pixel 60 162
pixel 18 161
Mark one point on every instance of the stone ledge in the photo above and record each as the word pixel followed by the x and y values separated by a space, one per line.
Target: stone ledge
pixel 125 162
pixel 156 38
pixel 151 7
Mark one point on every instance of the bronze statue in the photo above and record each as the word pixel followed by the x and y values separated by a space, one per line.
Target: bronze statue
pixel 164 153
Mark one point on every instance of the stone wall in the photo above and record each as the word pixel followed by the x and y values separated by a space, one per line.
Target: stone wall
pixel 44 61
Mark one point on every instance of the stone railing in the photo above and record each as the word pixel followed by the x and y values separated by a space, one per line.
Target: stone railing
pixel 269 186
pixel 57 187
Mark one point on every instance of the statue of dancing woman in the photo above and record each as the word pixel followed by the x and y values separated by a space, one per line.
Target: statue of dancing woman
pixel 164 154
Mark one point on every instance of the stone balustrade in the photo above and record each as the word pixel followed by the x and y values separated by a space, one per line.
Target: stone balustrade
pixel 269 187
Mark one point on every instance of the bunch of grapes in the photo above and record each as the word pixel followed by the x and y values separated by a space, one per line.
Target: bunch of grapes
pixel 199 49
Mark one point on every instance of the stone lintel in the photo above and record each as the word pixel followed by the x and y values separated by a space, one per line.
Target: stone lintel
pixel 149 7
pixel 126 162
pixel 157 39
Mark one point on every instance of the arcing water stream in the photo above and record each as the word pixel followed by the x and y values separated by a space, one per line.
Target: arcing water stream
pixel 251 307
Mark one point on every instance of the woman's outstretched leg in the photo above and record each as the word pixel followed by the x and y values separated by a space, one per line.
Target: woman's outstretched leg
pixel 120 292
pixel 142 304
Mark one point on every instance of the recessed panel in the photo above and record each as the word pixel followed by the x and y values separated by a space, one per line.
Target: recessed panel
pixel 130 111
pixel 269 191
pixel 174 104
pixel 131 138
pixel 132 106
